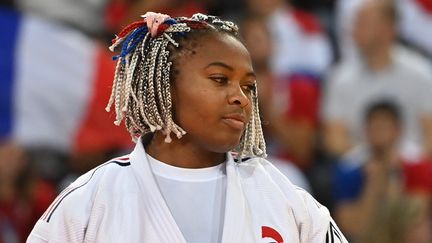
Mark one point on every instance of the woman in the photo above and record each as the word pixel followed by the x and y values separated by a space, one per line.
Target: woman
pixel 191 77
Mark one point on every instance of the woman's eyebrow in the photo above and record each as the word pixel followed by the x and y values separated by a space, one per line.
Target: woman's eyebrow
pixel 220 64
pixel 251 74
pixel 226 66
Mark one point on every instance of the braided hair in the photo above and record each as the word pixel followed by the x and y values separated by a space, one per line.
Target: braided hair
pixel 144 72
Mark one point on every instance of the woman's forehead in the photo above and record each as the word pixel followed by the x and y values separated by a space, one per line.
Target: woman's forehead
pixel 220 48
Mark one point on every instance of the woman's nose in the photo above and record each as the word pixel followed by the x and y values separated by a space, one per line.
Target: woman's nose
pixel 238 97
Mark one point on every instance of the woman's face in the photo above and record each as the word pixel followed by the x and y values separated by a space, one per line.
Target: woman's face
pixel 212 93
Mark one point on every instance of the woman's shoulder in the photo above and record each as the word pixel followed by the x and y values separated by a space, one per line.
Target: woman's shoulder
pixel 262 167
pixel 72 208
pixel 308 212
pixel 106 172
pixel 298 197
pixel 78 197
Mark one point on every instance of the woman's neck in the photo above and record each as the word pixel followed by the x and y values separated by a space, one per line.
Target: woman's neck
pixel 182 153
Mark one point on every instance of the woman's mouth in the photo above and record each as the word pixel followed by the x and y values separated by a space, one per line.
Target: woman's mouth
pixel 236 121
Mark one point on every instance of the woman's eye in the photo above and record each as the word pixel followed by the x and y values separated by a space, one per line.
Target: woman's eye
pixel 249 88
pixel 221 79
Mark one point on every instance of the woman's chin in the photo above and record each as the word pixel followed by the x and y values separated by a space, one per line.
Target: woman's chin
pixel 227 146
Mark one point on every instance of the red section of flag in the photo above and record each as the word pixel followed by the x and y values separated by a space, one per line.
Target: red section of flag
pixel 98 132
pixel 268 232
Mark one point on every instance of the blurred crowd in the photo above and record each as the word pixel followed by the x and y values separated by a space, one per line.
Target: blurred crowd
pixel 345 92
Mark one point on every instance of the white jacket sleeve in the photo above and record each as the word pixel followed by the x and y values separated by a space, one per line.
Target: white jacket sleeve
pixel 67 217
pixel 322 228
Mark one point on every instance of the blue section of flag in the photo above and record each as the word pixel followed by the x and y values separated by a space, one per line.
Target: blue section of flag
pixel 9 28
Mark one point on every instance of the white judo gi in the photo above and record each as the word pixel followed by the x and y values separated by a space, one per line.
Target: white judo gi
pixel 119 201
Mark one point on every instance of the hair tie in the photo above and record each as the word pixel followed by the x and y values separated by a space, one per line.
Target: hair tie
pixel 154 20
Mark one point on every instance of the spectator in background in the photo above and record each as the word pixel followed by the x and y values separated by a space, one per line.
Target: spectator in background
pixel 23 196
pixel 401 220
pixel 294 55
pixel 414 18
pixel 299 42
pixel 378 72
pixel 278 126
pixel 364 181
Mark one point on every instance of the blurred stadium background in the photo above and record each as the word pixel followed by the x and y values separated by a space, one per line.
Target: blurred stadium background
pixel 345 89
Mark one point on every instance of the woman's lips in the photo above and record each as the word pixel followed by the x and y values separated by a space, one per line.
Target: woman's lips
pixel 236 121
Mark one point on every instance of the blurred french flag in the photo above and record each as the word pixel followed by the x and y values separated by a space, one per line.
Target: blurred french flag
pixel 54 85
